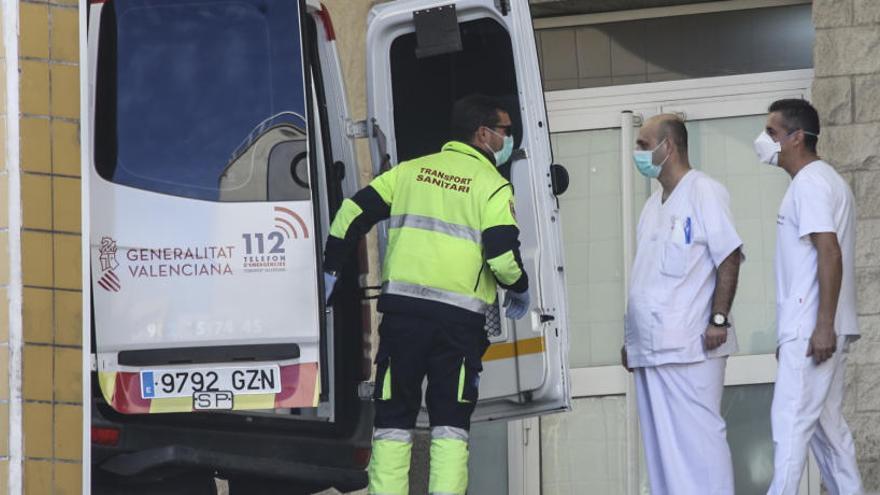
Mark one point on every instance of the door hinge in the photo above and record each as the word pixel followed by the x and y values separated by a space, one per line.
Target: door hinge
pixel 371 292
pixel 357 130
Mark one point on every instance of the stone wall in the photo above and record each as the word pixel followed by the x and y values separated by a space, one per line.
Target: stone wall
pixel 846 92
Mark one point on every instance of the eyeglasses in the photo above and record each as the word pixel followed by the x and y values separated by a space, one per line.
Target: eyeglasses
pixel 506 129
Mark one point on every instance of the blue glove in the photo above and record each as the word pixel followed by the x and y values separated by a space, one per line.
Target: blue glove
pixel 329 282
pixel 517 304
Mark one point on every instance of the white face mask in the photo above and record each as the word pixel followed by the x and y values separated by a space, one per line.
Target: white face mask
pixel 502 155
pixel 767 149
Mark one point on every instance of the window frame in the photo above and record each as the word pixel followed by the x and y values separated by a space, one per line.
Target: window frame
pixel 604 108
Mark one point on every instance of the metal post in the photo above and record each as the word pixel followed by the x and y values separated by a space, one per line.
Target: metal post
pixel 627 134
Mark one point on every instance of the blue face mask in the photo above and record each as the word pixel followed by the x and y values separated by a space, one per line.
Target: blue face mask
pixel 502 155
pixel 644 160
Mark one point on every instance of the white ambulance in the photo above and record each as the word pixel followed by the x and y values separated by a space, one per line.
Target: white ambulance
pixel 220 145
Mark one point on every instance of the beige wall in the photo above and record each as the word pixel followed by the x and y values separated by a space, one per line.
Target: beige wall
pixel 349 20
pixel 846 92
pixel 4 278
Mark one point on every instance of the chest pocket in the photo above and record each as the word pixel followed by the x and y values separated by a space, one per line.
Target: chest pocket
pixel 673 259
pixel 674 247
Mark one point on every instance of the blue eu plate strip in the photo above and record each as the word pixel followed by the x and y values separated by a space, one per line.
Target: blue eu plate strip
pixel 147 385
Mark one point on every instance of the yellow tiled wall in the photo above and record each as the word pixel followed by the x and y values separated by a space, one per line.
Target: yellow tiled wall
pixel 51 263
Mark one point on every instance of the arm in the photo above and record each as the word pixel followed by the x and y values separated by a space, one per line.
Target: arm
pixel 726 251
pixel 726 280
pixel 356 217
pixel 823 342
pixel 501 241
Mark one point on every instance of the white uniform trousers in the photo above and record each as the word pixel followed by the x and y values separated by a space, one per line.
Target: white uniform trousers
pixel 807 409
pixel 684 434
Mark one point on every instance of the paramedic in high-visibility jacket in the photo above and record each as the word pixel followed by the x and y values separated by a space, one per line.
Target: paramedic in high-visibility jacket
pixel 452 237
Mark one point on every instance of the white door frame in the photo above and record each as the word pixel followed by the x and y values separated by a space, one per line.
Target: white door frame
pixel 604 108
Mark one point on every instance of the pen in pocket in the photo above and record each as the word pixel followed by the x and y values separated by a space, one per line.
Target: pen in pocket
pixel 687 230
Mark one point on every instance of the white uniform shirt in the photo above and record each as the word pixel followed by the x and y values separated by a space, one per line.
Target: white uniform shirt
pixel 818 200
pixel 680 244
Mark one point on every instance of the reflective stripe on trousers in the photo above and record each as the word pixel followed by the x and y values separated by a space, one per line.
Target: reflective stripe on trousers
pixel 389 465
pixel 435 225
pixel 449 461
pixel 433 294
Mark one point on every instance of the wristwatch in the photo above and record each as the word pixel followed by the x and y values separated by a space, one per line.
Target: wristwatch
pixel 719 320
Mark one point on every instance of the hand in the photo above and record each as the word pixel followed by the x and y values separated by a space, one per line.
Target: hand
pixel 623 359
pixel 329 283
pixel 714 337
pixel 517 304
pixel 823 343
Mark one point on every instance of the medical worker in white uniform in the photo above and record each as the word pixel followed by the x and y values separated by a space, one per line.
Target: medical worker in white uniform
pixel 815 305
pixel 678 332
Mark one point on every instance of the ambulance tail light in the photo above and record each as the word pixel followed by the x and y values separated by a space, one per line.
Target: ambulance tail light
pixel 108 437
pixel 324 15
pixel 362 456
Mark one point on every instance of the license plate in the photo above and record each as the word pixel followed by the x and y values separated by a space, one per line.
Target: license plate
pixel 166 383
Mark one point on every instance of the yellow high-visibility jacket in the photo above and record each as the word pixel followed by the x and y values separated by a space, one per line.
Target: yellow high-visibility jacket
pixel 450 216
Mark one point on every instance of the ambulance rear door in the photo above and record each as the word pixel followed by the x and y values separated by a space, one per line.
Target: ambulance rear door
pixel 204 226
pixel 423 55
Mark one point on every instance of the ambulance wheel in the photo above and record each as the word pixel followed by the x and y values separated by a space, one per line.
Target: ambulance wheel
pixel 263 486
pixel 192 484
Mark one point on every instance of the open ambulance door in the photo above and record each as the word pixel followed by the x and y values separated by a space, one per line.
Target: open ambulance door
pixel 423 55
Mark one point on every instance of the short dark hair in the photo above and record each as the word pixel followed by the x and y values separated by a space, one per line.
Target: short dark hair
pixel 675 131
pixel 796 115
pixel 472 112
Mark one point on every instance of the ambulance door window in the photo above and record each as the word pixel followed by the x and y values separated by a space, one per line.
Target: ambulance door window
pixel 154 135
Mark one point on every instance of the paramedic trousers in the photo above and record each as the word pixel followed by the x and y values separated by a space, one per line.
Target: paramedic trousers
pixel 807 411
pixel 685 437
pixel 449 354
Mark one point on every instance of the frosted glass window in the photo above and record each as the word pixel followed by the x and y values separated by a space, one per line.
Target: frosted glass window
pixel 592 234
pixel 723 149
pixel 677 47
pixel 746 409
pixel 487 468
pixel 584 451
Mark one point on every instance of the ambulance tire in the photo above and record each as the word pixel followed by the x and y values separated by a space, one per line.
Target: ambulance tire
pixel 263 486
